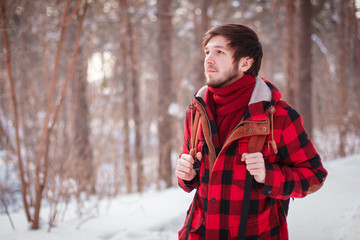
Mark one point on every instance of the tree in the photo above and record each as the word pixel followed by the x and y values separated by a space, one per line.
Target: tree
pixel 201 25
pixel 165 94
pixel 304 77
pixel 24 184
pixel 125 41
pixel 289 38
pixel 42 159
pixel 131 47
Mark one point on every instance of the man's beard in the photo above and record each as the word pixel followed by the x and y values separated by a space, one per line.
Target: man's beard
pixel 233 73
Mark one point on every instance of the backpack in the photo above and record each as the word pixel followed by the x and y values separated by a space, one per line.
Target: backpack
pixel 256 142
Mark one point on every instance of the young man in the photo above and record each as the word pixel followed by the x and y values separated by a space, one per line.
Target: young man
pixel 252 152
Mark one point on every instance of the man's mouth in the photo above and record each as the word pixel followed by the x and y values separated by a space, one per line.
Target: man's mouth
pixel 210 70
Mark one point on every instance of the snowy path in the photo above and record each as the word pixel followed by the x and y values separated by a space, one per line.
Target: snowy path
pixel 332 213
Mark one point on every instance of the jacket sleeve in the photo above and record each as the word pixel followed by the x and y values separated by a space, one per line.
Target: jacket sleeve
pixel 299 170
pixel 188 186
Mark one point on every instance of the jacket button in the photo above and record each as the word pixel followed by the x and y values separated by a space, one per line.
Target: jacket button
pixel 264 129
pixel 213 200
pixel 250 129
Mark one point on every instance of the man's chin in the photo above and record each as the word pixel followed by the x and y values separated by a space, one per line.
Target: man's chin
pixel 219 84
pixel 214 84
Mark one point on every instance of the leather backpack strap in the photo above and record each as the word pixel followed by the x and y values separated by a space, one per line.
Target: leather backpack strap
pixel 256 143
pixel 195 121
pixel 193 147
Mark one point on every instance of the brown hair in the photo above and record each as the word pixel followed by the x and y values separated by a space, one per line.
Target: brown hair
pixel 243 40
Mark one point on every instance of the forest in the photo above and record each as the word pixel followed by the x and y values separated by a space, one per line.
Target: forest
pixel 93 93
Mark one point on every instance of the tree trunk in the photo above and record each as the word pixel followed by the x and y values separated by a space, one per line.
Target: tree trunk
pixel 81 144
pixel 165 95
pixel 135 69
pixel 341 75
pixel 126 46
pixel 355 71
pixel 131 45
pixel 45 141
pixel 305 63
pixel 289 39
pixel 201 25
pixel 24 184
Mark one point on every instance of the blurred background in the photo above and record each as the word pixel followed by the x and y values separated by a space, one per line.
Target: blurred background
pixel 93 93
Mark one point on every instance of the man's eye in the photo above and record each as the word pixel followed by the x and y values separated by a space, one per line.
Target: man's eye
pixel 220 52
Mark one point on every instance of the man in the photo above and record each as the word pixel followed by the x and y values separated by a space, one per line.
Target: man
pixel 245 132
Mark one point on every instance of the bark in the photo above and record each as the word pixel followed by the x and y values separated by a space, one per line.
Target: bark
pixel 356 63
pixel 289 39
pixel 201 25
pixel 134 59
pixel 44 145
pixel 83 154
pixel 24 184
pixel 165 96
pixel 135 69
pixel 126 49
pixel 356 40
pixel 341 74
pixel 305 63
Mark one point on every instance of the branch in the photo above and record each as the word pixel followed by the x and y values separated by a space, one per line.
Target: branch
pixel 13 98
pixel 45 130
pixel 6 208
pixel 68 78
pixel 72 14
pixel 72 67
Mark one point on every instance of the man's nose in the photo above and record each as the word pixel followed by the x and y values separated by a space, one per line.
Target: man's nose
pixel 209 60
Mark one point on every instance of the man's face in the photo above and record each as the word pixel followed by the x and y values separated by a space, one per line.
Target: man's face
pixel 218 63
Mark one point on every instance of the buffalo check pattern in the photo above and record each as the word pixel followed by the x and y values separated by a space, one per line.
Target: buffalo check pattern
pixel 294 172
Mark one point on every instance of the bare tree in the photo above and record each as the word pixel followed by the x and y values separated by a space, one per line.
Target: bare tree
pixel 125 49
pixel 81 143
pixel 130 35
pixel 165 94
pixel 42 158
pixel 343 51
pixel 289 39
pixel 305 63
pixel 24 184
pixel 134 30
pixel 201 25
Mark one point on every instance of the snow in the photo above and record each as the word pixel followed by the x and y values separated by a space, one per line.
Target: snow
pixel 331 213
pixel 334 211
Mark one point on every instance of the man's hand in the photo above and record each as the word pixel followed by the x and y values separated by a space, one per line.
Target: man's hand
pixel 255 164
pixel 185 169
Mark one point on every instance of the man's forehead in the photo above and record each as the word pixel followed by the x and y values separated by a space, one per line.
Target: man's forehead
pixel 218 42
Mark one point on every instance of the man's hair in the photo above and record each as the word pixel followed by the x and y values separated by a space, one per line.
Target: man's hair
pixel 243 40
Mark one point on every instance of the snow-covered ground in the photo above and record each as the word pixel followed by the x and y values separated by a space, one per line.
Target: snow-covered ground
pixel 334 211
pixel 331 213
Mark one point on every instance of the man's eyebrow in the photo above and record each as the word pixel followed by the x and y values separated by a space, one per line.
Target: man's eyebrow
pixel 218 46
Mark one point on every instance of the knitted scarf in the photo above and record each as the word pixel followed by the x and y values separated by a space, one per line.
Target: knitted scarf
pixel 228 104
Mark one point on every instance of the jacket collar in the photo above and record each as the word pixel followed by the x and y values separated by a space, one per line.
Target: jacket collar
pixel 264 95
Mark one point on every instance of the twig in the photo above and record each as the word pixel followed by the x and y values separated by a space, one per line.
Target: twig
pixel 84 221
pixel 6 208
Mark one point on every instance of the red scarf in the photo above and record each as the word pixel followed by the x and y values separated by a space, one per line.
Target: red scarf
pixel 228 104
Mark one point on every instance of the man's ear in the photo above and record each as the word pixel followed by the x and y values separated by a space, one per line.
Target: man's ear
pixel 245 63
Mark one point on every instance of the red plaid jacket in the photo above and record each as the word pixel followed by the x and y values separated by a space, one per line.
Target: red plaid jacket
pixel 295 171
